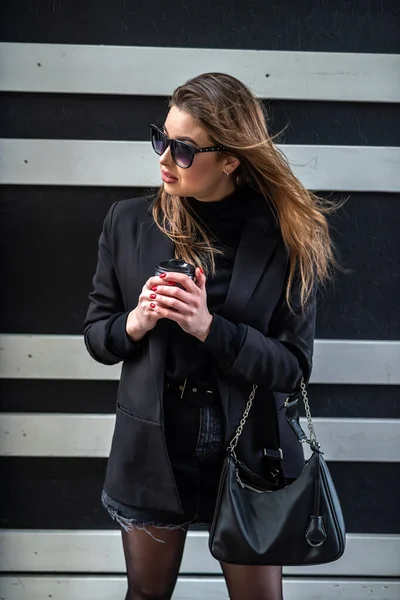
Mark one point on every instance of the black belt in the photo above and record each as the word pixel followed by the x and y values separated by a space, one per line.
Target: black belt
pixel 192 391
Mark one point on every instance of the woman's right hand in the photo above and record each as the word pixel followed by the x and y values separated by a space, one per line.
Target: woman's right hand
pixel 142 318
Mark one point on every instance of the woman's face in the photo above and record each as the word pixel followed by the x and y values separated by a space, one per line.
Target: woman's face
pixel 206 178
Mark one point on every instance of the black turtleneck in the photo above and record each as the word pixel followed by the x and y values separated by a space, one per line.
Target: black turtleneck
pixel 224 221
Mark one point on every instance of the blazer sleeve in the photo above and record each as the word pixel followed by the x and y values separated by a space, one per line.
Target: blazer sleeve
pixel 104 328
pixel 278 361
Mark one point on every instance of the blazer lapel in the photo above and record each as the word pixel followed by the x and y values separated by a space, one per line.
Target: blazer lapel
pixel 154 248
pixel 256 246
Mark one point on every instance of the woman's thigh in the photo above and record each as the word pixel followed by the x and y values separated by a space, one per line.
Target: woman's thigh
pixel 153 557
pixel 253 582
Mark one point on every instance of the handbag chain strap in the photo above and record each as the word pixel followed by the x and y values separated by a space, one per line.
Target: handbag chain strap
pixel 235 439
pixel 312 440
pixel 310 424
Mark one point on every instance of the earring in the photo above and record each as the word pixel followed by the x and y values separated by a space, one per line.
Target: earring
pixel 226 173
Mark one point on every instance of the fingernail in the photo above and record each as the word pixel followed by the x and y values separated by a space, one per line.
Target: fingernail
pixel 154 288
pixel 152 305
pixel 153 296
pixel 163 275
pixel 201 271
pixel 172 283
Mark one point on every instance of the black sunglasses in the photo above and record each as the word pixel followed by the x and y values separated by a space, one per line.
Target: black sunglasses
pixel 182 153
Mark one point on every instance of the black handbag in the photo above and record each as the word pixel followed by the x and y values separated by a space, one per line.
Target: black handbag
pixel 298 524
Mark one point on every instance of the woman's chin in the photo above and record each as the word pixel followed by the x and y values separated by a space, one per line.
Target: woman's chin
pixel 171 187
pixel 174 189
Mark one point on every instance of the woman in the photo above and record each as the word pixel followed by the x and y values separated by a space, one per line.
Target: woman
pixel 192 349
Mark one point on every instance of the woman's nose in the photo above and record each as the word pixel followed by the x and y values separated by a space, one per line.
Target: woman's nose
pixel 166 158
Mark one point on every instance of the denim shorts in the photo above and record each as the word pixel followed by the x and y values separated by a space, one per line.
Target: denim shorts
pixel 194 437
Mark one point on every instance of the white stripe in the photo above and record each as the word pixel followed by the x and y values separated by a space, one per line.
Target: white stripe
pixel 190 588
pixel 101 552
pixel 147 71
pixel 30 434
pixel 65 357
pixel 110 163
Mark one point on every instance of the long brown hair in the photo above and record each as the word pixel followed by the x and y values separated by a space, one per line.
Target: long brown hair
pixel 234 118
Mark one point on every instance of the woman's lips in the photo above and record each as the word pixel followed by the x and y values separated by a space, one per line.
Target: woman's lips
pixel 167 177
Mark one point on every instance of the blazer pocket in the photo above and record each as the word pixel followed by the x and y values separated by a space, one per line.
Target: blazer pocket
pixel 126 411
pixel 138 469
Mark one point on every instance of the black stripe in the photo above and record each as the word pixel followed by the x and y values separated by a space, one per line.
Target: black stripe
pixel 55 276
pixel 57 396
pixel 355 401
pixel 97 117
pixel 78 397
pixel 328 26
pixel 64 493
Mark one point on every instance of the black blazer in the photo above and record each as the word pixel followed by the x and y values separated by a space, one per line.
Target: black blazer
pixel 276 352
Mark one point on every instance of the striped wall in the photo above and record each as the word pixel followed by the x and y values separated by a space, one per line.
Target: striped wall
pixel 78 89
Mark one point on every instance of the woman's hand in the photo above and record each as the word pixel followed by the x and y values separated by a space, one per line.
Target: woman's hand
pixel 143 318
pixel 187 307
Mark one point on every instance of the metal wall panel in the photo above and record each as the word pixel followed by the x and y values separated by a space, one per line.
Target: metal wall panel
pixel 101 552
pixel 65 357
pixel 337 401
pixel 38 223
pixel 347 440
pixel 291 75
pixel 111 117
pixel 328 25
pixel 64 493
pixel 69 162
pixel 191 588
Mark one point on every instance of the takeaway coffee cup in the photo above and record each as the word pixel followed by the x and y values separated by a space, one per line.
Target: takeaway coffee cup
pixel 175 265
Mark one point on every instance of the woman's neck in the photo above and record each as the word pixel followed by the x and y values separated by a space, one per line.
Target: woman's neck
pixel 227 188
pixel 215 209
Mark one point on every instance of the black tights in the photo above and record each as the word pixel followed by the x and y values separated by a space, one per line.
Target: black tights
pixel 153 567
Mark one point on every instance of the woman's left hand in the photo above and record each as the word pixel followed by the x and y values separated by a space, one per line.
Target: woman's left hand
pixel 187 307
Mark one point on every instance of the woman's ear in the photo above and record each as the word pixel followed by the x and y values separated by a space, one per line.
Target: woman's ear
pixel 230 164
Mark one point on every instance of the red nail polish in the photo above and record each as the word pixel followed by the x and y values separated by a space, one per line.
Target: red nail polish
pixel 154 288
pixel 153 296
pixel 201 271
pixel 163 275
pixel 152 305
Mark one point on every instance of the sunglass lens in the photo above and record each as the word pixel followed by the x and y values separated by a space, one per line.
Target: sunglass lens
pixel 182 155
pixel 158 140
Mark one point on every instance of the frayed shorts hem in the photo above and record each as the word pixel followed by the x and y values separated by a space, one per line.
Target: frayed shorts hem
pixel 131 523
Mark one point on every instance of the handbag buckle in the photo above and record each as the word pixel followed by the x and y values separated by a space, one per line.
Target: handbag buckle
pixel 315 446
pixel 182 388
